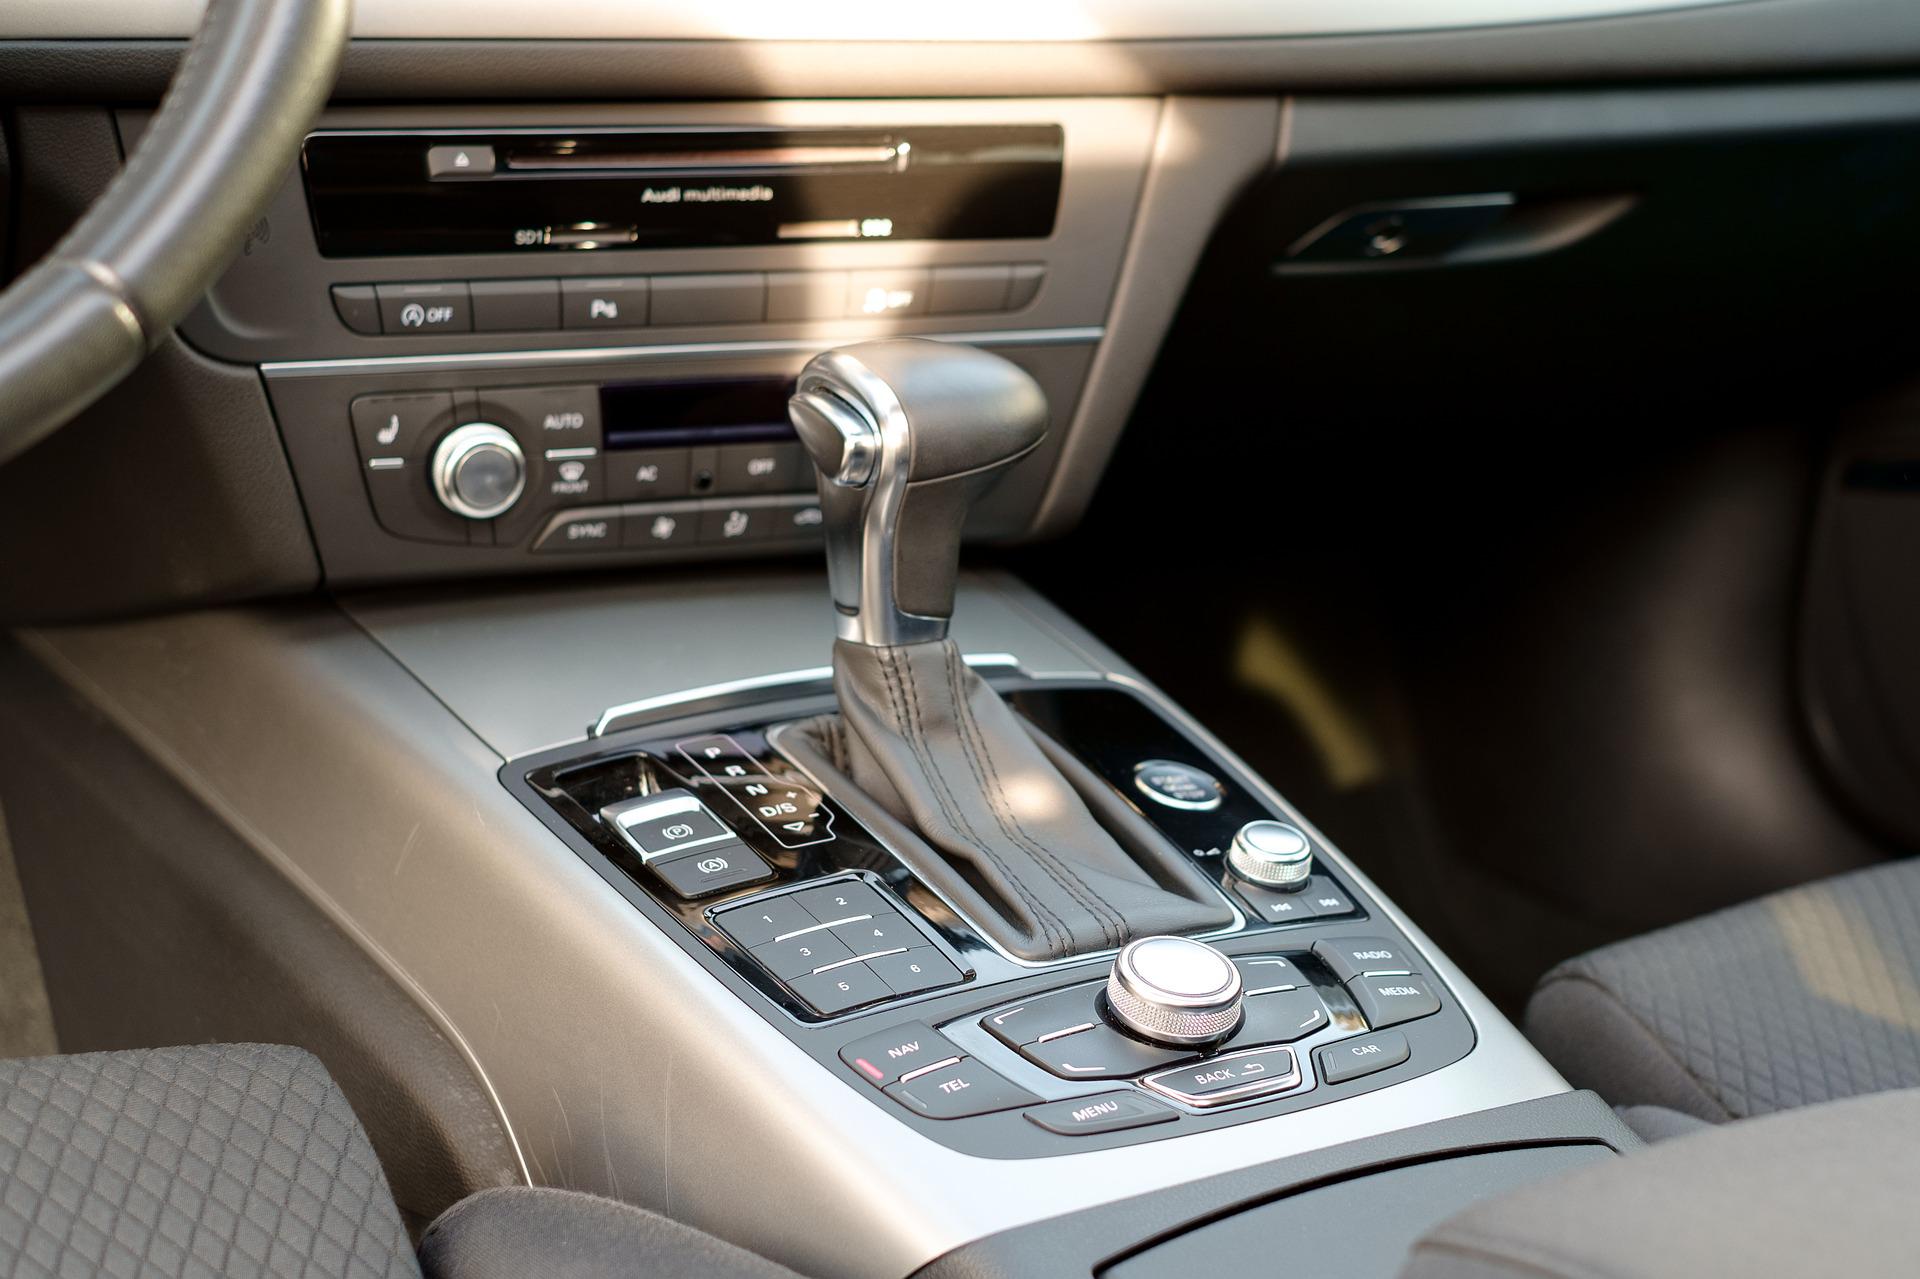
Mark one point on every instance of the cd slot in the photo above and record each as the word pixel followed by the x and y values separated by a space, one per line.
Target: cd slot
pixel 734 160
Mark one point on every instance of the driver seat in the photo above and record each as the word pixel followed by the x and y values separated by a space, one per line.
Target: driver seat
pixel 246 1160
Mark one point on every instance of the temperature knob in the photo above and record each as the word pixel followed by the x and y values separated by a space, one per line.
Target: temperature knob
pixel 1174 990
pixel 479 471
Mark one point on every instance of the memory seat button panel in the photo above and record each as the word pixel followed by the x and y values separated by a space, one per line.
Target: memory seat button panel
pixel 837 946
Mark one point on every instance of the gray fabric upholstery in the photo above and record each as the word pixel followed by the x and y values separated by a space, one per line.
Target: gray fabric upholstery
pixel 241 1159
pixel 1805 996
pixel 1657 1123
pixel 1818 1192
pixel 563 1234
pixel 928 741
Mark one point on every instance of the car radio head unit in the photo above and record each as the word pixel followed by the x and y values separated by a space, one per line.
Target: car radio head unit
pixel 379 193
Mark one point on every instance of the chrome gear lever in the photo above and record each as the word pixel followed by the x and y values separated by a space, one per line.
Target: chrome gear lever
pixel 905 434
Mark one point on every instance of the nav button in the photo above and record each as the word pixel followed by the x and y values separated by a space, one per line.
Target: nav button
pixel 883 1058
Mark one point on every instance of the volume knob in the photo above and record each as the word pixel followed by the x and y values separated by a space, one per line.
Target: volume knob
pixel 1272 855
pixel 479 471
pixel 1174 990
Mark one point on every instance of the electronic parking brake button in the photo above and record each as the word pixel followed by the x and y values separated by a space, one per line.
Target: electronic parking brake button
pixel 665 824
pixel 1107 1112
pixel 954 1092
pixel 884 1058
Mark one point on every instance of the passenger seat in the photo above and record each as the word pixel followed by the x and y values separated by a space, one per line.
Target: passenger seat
pixel 1805 996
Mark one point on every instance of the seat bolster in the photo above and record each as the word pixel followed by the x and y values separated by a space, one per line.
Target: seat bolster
pixel 1806 1194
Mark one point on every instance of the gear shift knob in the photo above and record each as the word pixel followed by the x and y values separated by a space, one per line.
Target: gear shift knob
pixel 905 434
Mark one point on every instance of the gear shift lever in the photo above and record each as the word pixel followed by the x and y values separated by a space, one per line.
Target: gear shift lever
pixel 905 434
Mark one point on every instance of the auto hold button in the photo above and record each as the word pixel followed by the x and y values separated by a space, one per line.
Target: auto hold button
pixel 1234 1078
pixel 701 872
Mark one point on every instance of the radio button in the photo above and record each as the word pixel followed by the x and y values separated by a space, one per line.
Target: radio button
pixel 424 308
pixel 958 290
pixel 902 291
pixel 604 304
pixel 515 306
pixel 739 298
pixel 645 474
pixel 357 307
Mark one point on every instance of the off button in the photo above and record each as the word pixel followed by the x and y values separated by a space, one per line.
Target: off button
pixel 424 308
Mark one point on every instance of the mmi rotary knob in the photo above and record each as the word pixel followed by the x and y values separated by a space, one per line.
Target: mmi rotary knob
pixel 1174 990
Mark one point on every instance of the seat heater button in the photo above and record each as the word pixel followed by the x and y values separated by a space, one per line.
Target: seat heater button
pixel 1281 1017
pixel 1351 957
pixel 1108 1112
pixel 1044 1015
pixel 839 989
pixel 701 872
pixel 797 956
pixel 920 968
pixel 1100 1053
pixel 759 922
pixel 956 1091
pixel 1388 1001
pixel 1261 973
pixel 883 1058
pixel 1225 1079
pixel 1353 1058
pixel 397 425
pixel 880 933
pixel 831 903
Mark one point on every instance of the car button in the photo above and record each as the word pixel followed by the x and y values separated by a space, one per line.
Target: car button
pixel 1100 1053
pixel 1225 1079
pixel 956 1091
pixel 701 872
pixel 1045 1016
pixel 1282 1017
pixel 1388 1001
pixel 1352 1058
pixel 669 822
pixel 839 989
pixel 1108 1112
pixel 1351 957
pixel 883 1058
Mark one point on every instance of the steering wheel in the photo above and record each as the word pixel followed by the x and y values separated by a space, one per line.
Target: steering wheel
pixel 253 79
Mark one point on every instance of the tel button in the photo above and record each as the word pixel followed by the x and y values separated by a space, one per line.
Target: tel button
pixel 956 1091
pixel 1352 1058
pixel 883 1058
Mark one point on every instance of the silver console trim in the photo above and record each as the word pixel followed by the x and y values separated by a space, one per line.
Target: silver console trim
pixel 634 714
pixel 1076 336
pixel 848 20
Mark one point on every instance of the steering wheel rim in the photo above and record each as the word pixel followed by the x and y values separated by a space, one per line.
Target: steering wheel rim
pixel 248 89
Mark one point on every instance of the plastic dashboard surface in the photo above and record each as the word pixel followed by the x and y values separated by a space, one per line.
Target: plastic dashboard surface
pixel 931 979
